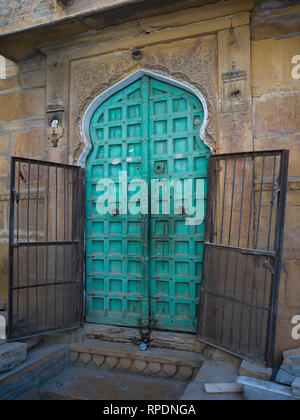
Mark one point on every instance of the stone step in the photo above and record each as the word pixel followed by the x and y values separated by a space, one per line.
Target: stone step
pixel 88 383
pixel 212 373
pixel 161 339
pixel 42 363
pixel 159 362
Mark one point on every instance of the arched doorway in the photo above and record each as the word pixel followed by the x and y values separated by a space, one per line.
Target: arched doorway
pixel 145 266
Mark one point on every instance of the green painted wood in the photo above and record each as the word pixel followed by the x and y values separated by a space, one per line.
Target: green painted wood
pixel 145 266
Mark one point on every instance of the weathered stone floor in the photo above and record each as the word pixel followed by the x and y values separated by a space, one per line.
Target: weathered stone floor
pixel 87 383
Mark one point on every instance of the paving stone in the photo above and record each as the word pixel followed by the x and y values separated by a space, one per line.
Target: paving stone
pixel 139 365
pixel 226 388
pixel 125 364
pixel 170 370
pixel 111 362
pixel 253 370
pixel 291 357
pixel 98 359
pixel 287 374
pixel 85 358
pixel 154 368
pixel 212 372
pixel 12 355
pixel 296 384
pixel 257 390
pixel 185 372
pixel 79 382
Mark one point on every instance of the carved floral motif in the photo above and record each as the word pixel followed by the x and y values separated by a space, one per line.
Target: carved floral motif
pixel 196 66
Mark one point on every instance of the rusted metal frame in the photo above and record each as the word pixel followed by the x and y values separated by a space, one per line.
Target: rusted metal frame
pixel 252 204
pixel 43 162
pixel 209 234
pixel 268 242
pixel 232 203
pixel 36 248
pixel 260 201
pixel 272 202
pixel 11 250
pixel 278 245
pixel 223 205
pixel 77 236
pixel 248 154
pixel 82 247
pixel 27 268
pixel 46 244
pixel 47 249
pixel 242 201
pixel 58 283
pixel 274 255
pixel 234 300
pixel 56 232
pixel 18 228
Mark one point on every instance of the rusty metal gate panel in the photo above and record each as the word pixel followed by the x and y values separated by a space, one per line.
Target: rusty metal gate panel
pixel 45 247
pixel 242 254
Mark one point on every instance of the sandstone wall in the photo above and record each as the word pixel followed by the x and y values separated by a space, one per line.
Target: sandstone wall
pixel 22 116
pixel 276 116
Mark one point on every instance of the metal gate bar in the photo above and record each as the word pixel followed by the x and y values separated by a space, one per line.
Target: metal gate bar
pixel 242 254
pixel 46 247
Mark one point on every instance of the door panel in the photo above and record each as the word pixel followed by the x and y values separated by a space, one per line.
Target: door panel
pixel 148 265
pixel 117 287
pixel 176 151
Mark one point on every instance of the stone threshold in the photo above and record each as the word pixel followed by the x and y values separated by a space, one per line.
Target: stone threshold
pixel 160 362
pixel 161 339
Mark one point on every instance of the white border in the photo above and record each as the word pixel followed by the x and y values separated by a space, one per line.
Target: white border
pixel 94 105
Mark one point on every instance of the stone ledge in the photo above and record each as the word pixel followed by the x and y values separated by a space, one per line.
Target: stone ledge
pixel 257 390
pixel 12 355
pixel 253 370
pixel 154 362
pixel 161 339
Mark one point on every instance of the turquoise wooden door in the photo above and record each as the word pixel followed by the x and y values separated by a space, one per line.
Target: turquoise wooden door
pixel 145 266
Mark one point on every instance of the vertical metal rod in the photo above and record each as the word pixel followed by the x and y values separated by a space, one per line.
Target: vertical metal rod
pixel 223 206
pixel 232 201
pixel 242 202
pixel 73 238
pixel 56 230
pixel 47 238
pixel 260 201
pixel 27 268
pixel 272 203
pixel 278 247
pixel 11 250
pixel 64 251
pixel 251 201
pixel 36 248
pixel 18 238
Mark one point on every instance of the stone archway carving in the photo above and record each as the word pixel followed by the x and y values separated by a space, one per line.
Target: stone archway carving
pixel 93 80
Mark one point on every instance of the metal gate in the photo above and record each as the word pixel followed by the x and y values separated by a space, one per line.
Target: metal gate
pixel 45 254
pixel 243 250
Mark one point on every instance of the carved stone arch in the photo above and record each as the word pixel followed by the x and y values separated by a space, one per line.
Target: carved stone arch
pixel 101 93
